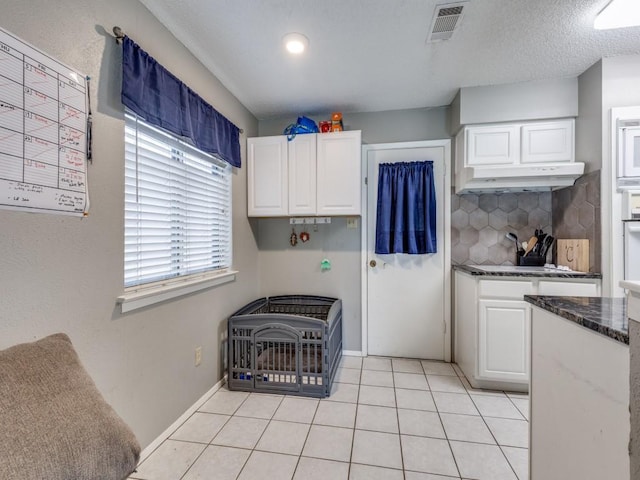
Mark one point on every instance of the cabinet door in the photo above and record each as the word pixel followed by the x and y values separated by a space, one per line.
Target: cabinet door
pixel 548 142
pixel 302 175
pixel 567 288
pixel 492 145
pixel 267 176
pixel 339 173
pixel 503 340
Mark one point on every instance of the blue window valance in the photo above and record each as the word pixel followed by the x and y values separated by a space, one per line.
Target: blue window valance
pixel 158 96
pixel 406 209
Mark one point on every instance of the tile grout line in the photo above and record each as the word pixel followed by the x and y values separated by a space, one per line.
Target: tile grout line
pixel 306 438
pixel 518 408
pixel 253 449
pixel 509 461
pixel 355 420
pixel 395 398
pixel 494 437
pixel 209 443
pixel 455 461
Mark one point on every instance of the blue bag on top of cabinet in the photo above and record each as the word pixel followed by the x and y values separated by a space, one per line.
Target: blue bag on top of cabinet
pixel 303 125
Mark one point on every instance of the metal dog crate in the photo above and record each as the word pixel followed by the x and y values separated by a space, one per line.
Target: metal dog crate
pixel 288 344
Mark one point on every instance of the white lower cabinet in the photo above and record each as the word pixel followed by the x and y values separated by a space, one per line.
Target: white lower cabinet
pixel 493 325
pixel 503 340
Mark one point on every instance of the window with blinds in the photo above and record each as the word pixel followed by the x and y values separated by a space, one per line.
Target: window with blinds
pixel 177 207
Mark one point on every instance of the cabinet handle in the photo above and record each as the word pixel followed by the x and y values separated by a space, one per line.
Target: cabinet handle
pixel 372 263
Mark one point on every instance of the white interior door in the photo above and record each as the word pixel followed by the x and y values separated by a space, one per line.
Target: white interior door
pixel 408 296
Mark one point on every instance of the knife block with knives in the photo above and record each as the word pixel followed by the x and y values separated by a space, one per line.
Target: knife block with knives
pixel 531 260
pixel 535 254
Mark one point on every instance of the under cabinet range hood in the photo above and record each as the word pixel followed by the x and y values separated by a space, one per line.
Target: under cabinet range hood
pixel 514 178
pixel 522 156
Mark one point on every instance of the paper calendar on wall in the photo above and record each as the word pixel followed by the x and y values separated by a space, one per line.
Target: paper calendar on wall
pixel 43 131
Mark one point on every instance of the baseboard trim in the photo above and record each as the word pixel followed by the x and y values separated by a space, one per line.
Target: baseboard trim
pixel 174 426
pixel 352 353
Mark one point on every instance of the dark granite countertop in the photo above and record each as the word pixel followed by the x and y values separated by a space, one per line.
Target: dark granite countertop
pixel 607 316
pixel 513 271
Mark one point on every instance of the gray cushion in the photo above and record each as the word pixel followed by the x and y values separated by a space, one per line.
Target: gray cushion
pixel 54 423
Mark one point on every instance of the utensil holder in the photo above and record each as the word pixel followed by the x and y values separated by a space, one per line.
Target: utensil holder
pixel 530 260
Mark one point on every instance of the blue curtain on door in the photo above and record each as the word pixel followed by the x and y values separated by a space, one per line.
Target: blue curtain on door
pixel 406 213
pixel 162 99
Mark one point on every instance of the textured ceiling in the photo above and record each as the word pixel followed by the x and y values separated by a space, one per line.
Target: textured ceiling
pixel 372 55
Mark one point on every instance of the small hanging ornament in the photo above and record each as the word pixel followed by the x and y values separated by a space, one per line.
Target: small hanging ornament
pixel 293 240
pixel 304 237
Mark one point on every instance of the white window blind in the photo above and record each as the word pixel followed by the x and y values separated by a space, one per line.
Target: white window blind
pixel 177 207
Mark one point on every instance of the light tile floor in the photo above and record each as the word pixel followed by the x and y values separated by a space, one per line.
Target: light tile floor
pixel 385 419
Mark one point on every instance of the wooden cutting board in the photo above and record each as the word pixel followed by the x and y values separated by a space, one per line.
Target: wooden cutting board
pixel 573 253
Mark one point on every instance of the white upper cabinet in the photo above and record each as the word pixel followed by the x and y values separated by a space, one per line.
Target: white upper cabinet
pixel 302 175
pixel 518 143
pixel 339 175
pixel 548 142
pixel 267 176
pixel 493 145
pixel 314 174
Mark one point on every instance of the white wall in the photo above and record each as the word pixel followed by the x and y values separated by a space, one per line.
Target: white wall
pixel 63 274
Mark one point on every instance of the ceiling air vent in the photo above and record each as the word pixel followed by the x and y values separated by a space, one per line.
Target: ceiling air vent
pixel 445 20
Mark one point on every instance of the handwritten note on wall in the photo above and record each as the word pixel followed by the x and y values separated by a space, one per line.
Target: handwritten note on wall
pixel 43 122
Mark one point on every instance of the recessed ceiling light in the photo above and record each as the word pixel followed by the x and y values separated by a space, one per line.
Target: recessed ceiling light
pixel 295 43
pixel 618 14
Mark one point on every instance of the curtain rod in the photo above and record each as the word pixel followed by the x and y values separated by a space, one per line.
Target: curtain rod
pixel 119 34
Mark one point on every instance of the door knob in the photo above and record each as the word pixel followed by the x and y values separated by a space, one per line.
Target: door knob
pixel 372 263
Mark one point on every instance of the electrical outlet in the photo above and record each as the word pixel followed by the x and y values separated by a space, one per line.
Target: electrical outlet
pixel 352 222
pixel 198 356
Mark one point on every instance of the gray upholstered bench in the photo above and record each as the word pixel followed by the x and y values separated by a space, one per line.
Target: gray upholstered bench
pixel 54 423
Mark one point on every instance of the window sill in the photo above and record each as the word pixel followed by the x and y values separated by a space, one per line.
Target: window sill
pixel 144 297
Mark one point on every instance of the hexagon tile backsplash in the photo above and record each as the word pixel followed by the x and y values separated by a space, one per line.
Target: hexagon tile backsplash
pixel 576 214
pixel 479 224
